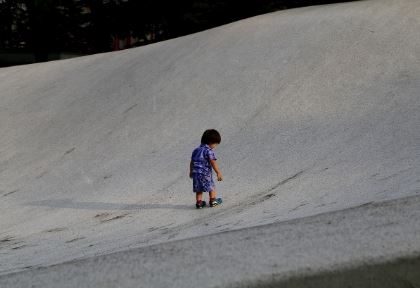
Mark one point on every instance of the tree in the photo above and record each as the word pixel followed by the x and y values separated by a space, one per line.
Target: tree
pixel 90 26
pixel 13 24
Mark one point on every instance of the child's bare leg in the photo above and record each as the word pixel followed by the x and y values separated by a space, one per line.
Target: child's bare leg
pixel 199 196
pixel 212 195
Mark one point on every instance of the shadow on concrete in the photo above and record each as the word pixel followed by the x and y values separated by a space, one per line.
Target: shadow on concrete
pixel 68 203
pixel 404 272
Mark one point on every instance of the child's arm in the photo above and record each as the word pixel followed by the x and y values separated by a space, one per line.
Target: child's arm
pixel 191 168
pixel 216 169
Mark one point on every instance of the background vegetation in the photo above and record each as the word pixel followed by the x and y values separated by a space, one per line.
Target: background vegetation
pixel 42 27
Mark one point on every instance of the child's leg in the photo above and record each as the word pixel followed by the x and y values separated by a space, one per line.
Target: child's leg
pixel 212 195
pixel 199 196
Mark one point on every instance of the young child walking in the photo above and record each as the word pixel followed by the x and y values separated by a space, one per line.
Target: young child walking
pixel 203 160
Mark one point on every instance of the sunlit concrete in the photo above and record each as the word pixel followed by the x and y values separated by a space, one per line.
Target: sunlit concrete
pixel 318 111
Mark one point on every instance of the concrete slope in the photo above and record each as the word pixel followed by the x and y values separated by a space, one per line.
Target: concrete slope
pixel 372 246
pixel 317 107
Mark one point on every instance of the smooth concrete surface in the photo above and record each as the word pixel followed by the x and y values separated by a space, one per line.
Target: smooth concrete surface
pixel 357 247
pixel 318 109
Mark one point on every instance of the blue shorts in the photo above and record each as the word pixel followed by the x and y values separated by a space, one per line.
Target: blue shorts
pixel 203 183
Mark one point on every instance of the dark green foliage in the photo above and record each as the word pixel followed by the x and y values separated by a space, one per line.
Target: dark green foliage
pixel 89 26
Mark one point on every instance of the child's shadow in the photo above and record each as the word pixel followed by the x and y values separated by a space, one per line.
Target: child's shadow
pixel 68 203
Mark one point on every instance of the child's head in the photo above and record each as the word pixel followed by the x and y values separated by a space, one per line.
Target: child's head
pixel 211 137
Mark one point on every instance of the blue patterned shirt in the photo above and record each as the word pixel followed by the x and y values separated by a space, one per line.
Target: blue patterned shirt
pixel 200 158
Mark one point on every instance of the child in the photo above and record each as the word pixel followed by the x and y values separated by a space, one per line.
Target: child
pixel 202 162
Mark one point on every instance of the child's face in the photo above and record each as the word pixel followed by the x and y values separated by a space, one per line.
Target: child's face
pixel 213 145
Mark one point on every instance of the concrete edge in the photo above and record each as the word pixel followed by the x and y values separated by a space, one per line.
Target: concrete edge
pixel 402 272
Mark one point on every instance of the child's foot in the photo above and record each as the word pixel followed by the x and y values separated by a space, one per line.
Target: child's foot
pixel 200 204
pixel 215 202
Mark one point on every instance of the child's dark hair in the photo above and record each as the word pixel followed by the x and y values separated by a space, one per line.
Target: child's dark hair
pixel 211 136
